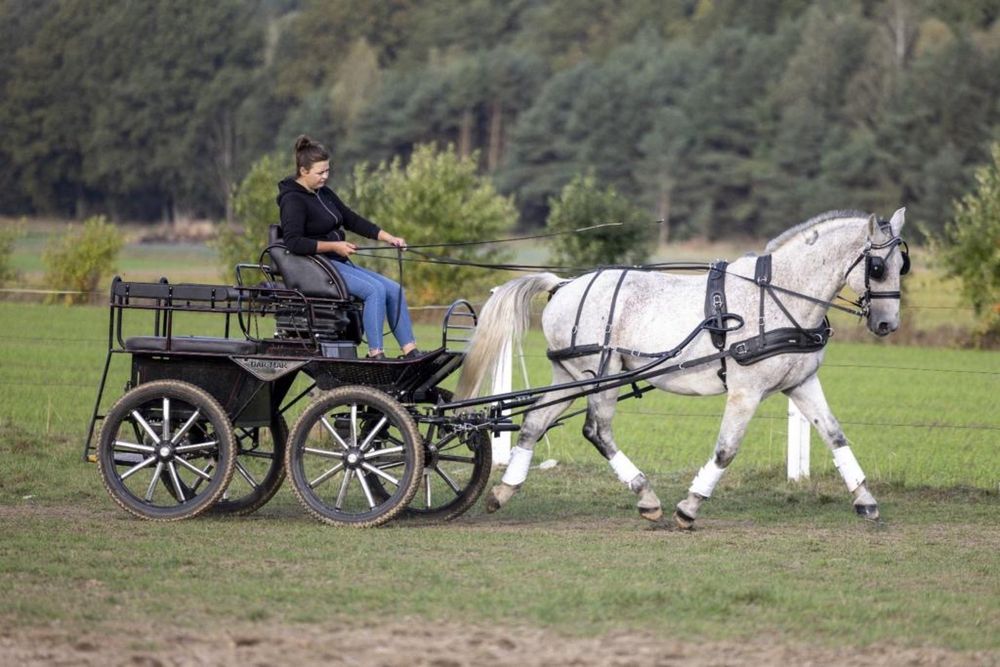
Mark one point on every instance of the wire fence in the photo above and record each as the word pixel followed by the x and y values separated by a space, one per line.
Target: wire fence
pixel 42 370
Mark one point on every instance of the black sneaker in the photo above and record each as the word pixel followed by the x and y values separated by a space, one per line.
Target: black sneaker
pixel 412 354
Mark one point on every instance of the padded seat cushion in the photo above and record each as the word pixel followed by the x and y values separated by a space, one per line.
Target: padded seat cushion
pixel 194 344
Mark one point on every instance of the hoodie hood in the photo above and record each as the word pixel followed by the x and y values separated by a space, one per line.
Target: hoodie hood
pixel 290 186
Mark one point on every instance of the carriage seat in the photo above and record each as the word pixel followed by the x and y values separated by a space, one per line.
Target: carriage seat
pixel 314 276
pixel 310 274
pixel 191 345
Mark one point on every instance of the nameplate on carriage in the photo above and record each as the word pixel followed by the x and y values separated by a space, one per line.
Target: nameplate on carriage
pixel 268 369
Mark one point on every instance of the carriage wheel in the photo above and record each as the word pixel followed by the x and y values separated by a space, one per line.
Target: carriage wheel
pixel 455 475
pixel 341 443
pixel 259 470
pixel 456 470
pixel 166 451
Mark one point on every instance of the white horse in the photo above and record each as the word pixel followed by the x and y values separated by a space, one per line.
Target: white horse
pixel 617 320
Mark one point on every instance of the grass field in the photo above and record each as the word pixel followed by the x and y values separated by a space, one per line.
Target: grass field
pixel 776 572
pixel 568 558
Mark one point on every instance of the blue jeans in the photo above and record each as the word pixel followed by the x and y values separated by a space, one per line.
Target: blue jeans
pixel 382 297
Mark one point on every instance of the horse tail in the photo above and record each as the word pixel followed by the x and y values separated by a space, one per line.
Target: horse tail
pixel 505 313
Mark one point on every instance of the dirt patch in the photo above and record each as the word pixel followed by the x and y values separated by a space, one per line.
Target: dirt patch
pixel 422 643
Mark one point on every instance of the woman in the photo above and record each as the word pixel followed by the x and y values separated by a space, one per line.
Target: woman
pixel 313 220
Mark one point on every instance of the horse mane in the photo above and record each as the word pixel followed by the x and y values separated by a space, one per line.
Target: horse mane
pixel 782 238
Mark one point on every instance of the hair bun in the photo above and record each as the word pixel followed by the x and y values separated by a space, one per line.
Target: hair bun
pixel 303 142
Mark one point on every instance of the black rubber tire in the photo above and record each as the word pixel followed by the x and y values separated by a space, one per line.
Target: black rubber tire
pixel 253 484
pixel 127 451
pixel 324 441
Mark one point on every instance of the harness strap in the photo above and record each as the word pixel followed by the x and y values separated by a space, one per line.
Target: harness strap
pixel 762 276
pixel 715 308
pixel 781 341
pixel 606 354
pixel 579 308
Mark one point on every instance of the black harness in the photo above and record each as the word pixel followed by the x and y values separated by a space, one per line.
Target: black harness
pixel 795 339
pixel 718 323
pixel 715 310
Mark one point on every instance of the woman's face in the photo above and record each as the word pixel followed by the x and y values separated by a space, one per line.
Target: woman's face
pixel 316 176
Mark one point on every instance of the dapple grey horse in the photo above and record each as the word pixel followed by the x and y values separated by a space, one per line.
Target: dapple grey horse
pixel 652 311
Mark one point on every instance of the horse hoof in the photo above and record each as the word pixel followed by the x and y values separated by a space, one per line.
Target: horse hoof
pixel 499 495
pixel 867 512
pixel 492 502
pixel 651 513
pixel 683 521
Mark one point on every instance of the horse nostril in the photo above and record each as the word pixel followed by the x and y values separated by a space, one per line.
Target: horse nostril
pixel 883 327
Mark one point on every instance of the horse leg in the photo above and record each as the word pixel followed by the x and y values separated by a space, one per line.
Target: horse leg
pixel 811 401
pixel 740 408
pixel 535 424
pixel 597 429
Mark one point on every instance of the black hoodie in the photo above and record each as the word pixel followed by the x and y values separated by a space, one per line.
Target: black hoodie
pixel 308 217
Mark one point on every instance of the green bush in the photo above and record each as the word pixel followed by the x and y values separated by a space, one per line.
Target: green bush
pixel 436 198
pixel 255 208
pixel 970 248
pixel 9 233
pixel 582 204
pixel 79 258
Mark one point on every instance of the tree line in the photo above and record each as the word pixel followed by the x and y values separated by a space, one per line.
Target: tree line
pixel 721 117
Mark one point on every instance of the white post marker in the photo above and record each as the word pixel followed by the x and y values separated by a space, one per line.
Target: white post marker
pixel 502 383
pixel 798 444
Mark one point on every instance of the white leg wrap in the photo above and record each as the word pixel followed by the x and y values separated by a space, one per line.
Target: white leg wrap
pixel 624 468
pixel 848 466
pixel 706 479
pixel 517 469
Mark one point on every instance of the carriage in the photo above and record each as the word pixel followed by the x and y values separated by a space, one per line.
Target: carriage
pixel 202 426
pixel 202 423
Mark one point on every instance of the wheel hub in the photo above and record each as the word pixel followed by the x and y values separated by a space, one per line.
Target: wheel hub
pixel 165 452
pixel 430 456
pixel 353 458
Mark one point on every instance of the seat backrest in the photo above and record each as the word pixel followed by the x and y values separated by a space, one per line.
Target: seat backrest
pixel 310 274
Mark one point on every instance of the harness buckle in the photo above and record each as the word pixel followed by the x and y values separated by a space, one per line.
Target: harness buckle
pixel 741 348
pixel 717 300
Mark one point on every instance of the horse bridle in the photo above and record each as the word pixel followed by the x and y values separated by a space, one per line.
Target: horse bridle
pixel 875 267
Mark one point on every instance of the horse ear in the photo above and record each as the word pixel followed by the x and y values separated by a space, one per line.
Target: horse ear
pixel 872 225
pixel 897 221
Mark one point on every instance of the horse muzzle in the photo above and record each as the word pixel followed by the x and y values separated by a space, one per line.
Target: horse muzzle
pixel 883 328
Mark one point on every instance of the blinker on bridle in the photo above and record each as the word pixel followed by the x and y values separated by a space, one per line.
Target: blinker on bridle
pixel 875 267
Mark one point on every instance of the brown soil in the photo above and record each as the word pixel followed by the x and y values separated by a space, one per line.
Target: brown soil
pixel 414 643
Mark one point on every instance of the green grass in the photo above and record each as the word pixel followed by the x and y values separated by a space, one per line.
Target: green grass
pixel 916 416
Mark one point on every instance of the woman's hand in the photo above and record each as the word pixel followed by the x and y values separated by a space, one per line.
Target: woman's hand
pixel 343 248
pixel 396 241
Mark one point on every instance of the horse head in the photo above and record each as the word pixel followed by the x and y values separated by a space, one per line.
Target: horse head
pixel 877 272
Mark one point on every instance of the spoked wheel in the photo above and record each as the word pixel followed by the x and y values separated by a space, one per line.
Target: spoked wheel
pixel 456 470
pixel 341 443
pixel 166 451
pixel 260 468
